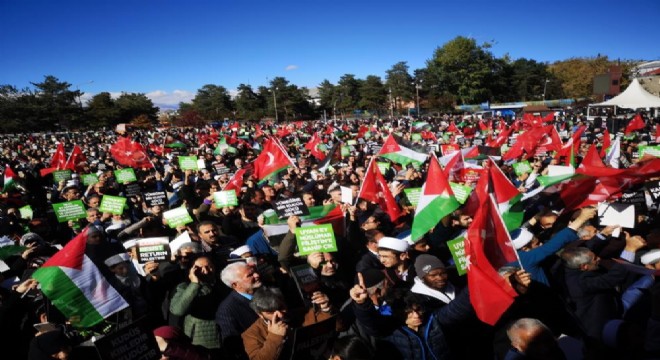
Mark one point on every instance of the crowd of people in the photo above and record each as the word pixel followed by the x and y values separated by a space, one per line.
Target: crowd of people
pixel 230 290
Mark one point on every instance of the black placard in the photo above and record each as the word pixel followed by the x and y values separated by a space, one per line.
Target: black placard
pixel 155 198
pixel 291 207
pixel 221 169
pixel 129 343
pixel 133 189
pixel 654 188
pixel 313 341
pixel 156 252
pixel 633 197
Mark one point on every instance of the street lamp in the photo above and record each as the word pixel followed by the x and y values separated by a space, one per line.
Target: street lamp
pixel 545 86
pixel 275 102
pixel 391 105
pixel 418 85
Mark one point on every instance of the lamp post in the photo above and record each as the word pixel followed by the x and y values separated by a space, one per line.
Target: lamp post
pixel 545 87
pixel 78 91
pixel 391 105
pixel 418 85
pixel 275 102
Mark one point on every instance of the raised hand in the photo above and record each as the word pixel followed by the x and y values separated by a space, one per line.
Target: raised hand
pixel 359 292
pixel 277 326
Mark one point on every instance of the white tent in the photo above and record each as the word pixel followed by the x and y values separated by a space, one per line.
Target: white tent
pixel 634 97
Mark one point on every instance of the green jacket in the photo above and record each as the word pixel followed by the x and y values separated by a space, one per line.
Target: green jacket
pixel 197 303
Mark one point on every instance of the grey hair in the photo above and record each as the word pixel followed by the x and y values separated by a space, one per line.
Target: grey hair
pixel 229 274
pixel 574 258
pixel 582 232
pixel 195 247
pixel 267 299
pixel 528 325
pixel 505 270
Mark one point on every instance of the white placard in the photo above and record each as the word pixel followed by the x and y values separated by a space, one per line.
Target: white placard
pixel 617 214
pixel 346 195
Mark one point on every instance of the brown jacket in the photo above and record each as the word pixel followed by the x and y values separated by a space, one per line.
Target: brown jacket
pixel 263 345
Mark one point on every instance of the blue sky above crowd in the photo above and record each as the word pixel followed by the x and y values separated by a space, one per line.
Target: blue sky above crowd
pixel 168 49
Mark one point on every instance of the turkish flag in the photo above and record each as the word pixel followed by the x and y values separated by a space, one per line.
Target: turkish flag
pixel 236 182
pixel 271 160
pixel 59 158
pixel 130 153
pixel 637 123
pixel 313 147
pixel 76 159
pixel 374 189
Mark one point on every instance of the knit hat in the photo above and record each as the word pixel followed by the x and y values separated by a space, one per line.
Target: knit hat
pixel 393 244
pixel 425 263
pixel 521 237
pixel 651 257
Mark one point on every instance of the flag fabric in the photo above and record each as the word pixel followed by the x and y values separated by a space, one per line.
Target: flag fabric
pixel 637 123
pixel 236 182
pixel 75 159
pixel 573 144
pixel 313 147
pixel 606 143
pixel 59 158
pixel 9 179
pixel 501 139
pixel 333 156
pixel 130 153
pixel 9 248
pixel 613 153
pixel 420 125
pixel 436 201
pixel 487 248
pixel 272 160
pixel 374 189
pixel 507 197
pixel 76 287
pixel 400 154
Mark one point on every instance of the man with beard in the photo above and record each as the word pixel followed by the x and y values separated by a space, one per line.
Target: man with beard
pixel 432 287
pixel 234 314
pixel 196 301
pixel 214 243
pixel 326 267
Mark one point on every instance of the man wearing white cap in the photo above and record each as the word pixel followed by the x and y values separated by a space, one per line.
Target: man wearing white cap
pixel 393 254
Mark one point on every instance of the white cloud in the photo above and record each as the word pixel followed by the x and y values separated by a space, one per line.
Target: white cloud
pixel 174 98
pixel 291 67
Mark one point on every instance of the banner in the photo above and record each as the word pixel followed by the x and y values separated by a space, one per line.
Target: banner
pixel 126 175
pixel 316 238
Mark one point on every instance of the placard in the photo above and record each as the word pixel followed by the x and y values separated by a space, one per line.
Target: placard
pixel 345 151
pixel 351 142
pixel 132 189
pixel 306 280
pixel 153 249
pixel 617 214
pixel 461 192
pixel 26 212
pixel 155 198
pixel 316 238
pixel 383 167
pixel 313 341
pixel 457 249
pixel 180 240
pixel 176 217
pixel 522 167
pixel 131 342
pixel 188 162
pixel 654 189
pixel 413 195
pixel 112 204
pixel 70 210
pixel 89 179
pixel 225 198
pixel 221 169
pixel 290 207
pixel 126 175
pixel 201 164
pixel 61 175
pixel 346 195
pixel 649 150
pixel 416 137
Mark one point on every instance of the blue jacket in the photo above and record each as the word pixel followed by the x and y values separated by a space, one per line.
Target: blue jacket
pixel 430 342
pixel 531 260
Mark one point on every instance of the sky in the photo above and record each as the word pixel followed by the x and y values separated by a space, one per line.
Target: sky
pixel 168 49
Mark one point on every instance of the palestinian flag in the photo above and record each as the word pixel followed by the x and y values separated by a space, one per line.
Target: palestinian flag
pixel 420 125
pixel 76 287
pixel 318 215
pixel 436 201
pixel 507 198
pixel 400 154
pixel 9 248
pixel 10 179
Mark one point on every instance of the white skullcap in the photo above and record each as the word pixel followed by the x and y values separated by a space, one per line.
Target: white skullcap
pixel 521 237
pixel 240 251
pixel 116 259
pixel 129 244
pixel 651 257
pixel 393 244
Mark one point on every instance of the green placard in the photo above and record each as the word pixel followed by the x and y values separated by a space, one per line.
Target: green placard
pixel 457 249
pixel 416 137
pixel 70 210
pixel 345 151
pixel 89 179
pixel 176 217
pixel 383 167
pixel 651 150
pixel 225 198
pixel 112 204
pixel 188 162
pixel 126 175
pixel 316 238
pixel 61 175
pixel 351 142
pixel 522 167
pixel 26 212
pixel 461 192
pixel 413 195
